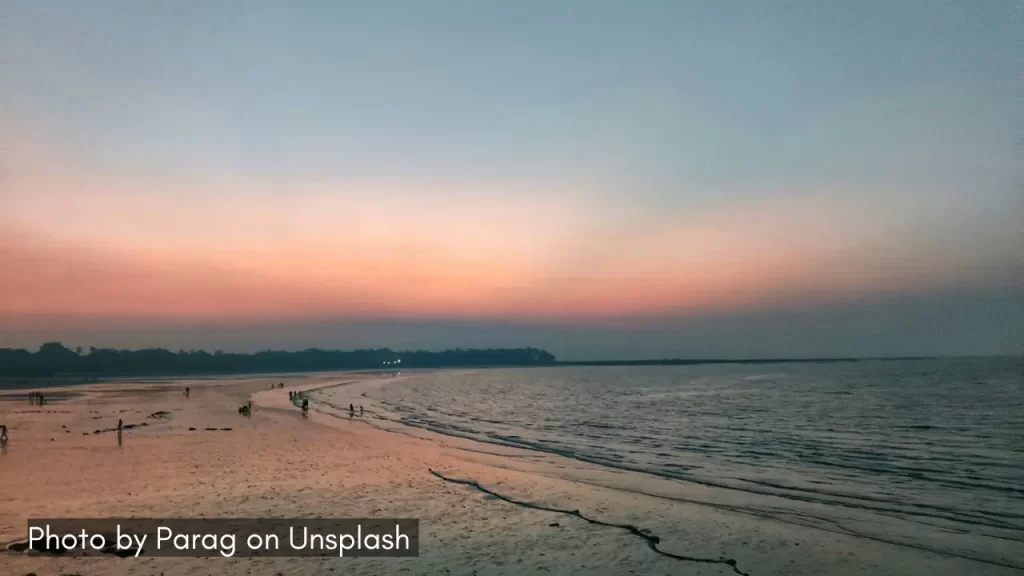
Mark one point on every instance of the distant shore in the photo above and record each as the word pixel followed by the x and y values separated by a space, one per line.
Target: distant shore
pixel 696 361
pixel 13 382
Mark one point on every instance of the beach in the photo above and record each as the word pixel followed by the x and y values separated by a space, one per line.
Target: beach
pixel 197 457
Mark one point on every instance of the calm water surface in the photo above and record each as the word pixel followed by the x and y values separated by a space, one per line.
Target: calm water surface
pixel 933 442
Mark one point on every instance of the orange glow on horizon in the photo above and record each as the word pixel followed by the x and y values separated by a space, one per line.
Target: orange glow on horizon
pixel 78 245
pixel 683 267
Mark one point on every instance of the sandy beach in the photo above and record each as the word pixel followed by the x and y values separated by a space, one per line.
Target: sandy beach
pixel 197 457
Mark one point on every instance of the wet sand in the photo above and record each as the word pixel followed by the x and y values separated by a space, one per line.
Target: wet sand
pixel 278 463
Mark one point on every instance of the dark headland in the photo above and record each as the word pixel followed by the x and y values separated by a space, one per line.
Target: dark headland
pixel 54 360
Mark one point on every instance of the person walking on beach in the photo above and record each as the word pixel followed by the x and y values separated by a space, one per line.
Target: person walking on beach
pixel 187 391
pixel 305 405
pixel 120 423
pixel 3 434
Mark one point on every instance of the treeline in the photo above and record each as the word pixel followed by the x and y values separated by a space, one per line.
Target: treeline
pixel 53 358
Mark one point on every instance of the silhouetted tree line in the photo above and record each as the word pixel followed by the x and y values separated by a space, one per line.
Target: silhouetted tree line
pixel 53 358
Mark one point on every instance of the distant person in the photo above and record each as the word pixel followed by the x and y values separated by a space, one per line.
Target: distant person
pixel 42 400
pixel 3 433
pixel 351 408
pixel 305 405
pixel 249 405
pixel 360 409
pixel 187 392
pixel 120 423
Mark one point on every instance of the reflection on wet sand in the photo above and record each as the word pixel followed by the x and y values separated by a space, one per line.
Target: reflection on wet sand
pixel 288 463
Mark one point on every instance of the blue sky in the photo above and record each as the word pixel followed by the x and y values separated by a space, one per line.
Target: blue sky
pixel 601 159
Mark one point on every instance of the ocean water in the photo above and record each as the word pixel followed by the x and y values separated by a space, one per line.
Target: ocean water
pixel 876 448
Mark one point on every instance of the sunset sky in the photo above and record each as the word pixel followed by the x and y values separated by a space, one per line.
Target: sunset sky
pixel 602 178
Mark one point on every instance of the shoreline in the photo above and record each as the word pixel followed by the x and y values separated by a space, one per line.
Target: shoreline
pixel 278 463
pixel 795 509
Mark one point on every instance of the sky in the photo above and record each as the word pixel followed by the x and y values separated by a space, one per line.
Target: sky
pixel 605 179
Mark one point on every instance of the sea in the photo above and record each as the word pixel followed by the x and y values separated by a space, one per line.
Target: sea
pixel 936 446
